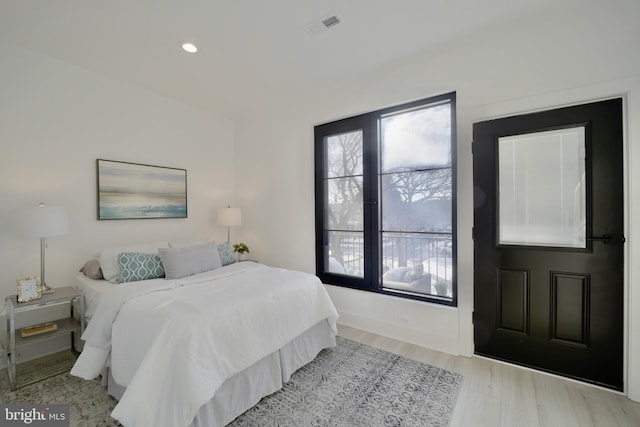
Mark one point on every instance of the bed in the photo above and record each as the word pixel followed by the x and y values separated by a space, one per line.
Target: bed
pixel 202 349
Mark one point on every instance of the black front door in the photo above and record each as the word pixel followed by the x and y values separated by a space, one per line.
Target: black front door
pixel 548 241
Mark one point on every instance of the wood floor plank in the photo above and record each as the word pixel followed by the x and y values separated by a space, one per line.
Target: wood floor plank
pixel 487 378
pixel 554 402
pixel 497 394
pixel 479 410
pixel 519 406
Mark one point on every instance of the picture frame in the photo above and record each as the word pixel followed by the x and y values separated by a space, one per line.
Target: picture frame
pixel 138 191
pixel 28 289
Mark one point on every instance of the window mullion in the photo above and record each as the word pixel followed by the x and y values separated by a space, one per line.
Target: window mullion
pixel 371 204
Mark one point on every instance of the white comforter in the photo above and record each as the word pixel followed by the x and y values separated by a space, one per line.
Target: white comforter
pixel 194 333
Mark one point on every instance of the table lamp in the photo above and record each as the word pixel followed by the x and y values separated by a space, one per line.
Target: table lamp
pixel 41 222
pixel 230 217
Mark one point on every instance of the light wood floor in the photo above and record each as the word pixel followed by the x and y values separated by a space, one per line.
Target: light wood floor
pixel 495 394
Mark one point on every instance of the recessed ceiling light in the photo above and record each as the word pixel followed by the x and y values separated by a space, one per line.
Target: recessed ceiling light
pixel 189 47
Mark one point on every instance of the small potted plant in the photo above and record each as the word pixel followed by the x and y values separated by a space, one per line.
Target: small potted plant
pixel 241 249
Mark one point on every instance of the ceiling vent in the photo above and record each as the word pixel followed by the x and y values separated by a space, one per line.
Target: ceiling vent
pixel 323 24
pixel 331 21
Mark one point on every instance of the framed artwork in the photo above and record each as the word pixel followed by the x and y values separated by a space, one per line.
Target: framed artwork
pixel 137 191
pixel 28 289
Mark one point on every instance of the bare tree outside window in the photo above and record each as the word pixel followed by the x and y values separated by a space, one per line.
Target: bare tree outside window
pixel 344 203
pixel 416 197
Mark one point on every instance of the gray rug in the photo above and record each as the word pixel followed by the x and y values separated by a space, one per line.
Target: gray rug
pixel 357 385
pixel 350 385
pixel 89 403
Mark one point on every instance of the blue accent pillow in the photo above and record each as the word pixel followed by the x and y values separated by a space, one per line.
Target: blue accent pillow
pixel 226 254
pixel 136 266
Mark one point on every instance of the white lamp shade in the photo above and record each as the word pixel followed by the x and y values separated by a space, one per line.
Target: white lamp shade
pixel 229 216
pixel 42 221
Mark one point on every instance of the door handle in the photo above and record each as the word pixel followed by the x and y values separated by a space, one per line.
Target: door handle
pixel 607 239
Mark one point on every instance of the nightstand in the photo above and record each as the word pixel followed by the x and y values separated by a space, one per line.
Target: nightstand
pixel 72 325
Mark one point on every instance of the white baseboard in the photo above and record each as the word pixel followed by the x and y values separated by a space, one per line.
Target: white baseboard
pixel 421 337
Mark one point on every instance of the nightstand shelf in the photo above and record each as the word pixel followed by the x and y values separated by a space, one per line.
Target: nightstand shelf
pixel 64 327
pixel 73 325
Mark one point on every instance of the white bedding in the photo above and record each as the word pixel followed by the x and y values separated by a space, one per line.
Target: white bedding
pixel 173 348
pixel 92 291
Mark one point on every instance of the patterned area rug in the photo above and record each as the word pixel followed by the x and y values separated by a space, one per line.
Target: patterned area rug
pixel 350 385
pixel 357 385
pixel 89 403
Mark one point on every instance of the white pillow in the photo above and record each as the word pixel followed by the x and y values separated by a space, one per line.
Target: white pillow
pixel 185 243
pixel 108 257
pixel 190 260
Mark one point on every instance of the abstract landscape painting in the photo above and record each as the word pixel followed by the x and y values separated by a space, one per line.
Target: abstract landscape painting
pixel 134 191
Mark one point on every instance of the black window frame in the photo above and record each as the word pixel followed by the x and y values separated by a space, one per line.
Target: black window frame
pixel 368 123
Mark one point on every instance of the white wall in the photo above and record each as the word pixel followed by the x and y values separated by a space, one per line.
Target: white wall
pixel 56 120
pixel 539 63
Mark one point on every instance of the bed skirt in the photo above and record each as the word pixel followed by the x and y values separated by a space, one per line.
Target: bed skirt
pixel 245 389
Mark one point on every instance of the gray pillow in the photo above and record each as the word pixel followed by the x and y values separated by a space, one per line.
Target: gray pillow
pixel 92 270
pixel 190 260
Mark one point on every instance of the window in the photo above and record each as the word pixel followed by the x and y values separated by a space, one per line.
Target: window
pixel 385 201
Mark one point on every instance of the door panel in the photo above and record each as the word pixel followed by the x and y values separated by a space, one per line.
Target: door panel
pixel 570 301
pixel 548 241
pixel 513 300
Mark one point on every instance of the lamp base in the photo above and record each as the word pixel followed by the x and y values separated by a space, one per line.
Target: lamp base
pixel 45 289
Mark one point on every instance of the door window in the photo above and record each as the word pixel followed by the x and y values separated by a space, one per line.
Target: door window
pixel 542 189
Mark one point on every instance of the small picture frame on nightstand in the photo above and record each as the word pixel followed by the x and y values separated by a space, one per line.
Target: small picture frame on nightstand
pixel 28 289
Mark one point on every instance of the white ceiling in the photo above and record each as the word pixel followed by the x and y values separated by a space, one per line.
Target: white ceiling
pixel 251 52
